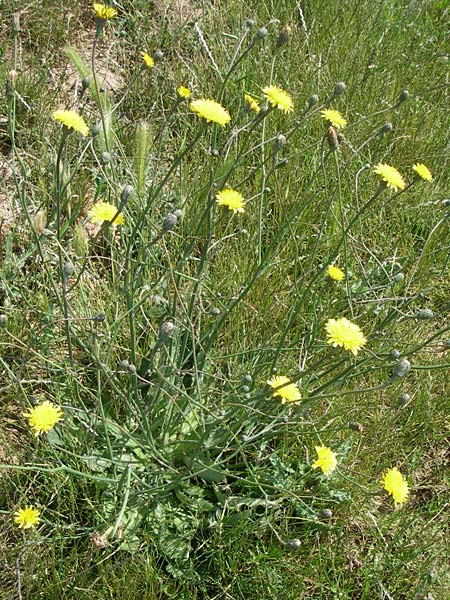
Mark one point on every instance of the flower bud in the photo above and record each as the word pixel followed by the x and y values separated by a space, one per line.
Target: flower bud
pixel 214 312
pixel 127 192
pixel 245 389
pixel 105 158
pixel 85 83
pixel 284 35
pixel 247 378
pixel 99 318
pixel 281 163
pixel 96 130
pixel 68 269
pixel 178 213
pixel 158 56
pixel 169 222
pixel 165 332
pixel 339 88
pixel 401 368
pixel 124 364
pixel 261 33
pixel 132 369
pixel 326 513
pixel 249 23
pixel 395 354
pixel 398 277
pixel 39 222
pixel 295 543
pixel 280 142
pixel 424 313
pixel 332 138
pixel 355 426
pixel 386 127
pixel 403 96
pixel 313 100
pixel 447 344
pixel 403 399
pixel 3 321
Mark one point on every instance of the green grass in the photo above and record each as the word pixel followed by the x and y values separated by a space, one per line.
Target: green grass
pixel 172 465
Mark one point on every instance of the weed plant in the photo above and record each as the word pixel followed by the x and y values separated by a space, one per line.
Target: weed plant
pixel 215 281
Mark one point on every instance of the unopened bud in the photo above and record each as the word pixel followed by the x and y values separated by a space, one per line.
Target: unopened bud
pixel 403 399
pixel 424 313
pixel 165 332
pixel 284 35
pixel 99 318
pixel 401 368
pixel 386 127
pixel 395 354
pixel 313 100
pixel 398 277
pixel 68 269
pixel 85 83
pixel 249 23
pixel 178 213
pixel 245 389
pixel 261 33
pixel 326 513
pixel 247 378
pixel 124 364
pixel 355 426
pixel 339 88
pixel 3 321
pixel 105 158
pixel 332 138
pixel 39 222
pixel 295 543
pixel 158 56
pixel 215 312
pixel 169 222
pixel 447 344
pixel 127 192
pixel 280 142
pixel 403 96
pixel 96 130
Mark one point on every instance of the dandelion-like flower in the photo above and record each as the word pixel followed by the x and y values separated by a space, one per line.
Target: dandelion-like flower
pixel 278 98
pixel 27 517
pixel 103 212
pixel 423 171
pixel 334 117
pixel 344 333
pixel 326 460
pixel 335 273
pixel 396 485
pixel 390 176
pixel 43 417
pixel 211 111
pixel 148 60
pixel 183 92
pixel 104 12
pixel 289 391
pixel 231 199
pixel 252 103
pixel 71 120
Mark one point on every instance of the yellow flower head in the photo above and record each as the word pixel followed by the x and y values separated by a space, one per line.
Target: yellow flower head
pixel 104 12
pixel 289 392
pixel 72 120
pixel 390 176
pixel 326 460
pixel 335 273
pixel 103 212
pixel 252 103
pixel 148 60
pixel 27 517
pixel 334 117
pixel 344 333
pixel 423 171
pixel 396 485
pixel 44 417
pixel 211 111
pixel 278 98
pixel 183 92
pixel 231 199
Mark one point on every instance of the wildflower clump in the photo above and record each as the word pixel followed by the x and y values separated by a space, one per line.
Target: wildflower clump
pixel 211 111
pixel 278 98
pixel 342 332
pixel 326 460
pixel 335 273
pixel 71 120
pixel 27 517
pixel 287 391
pixel 423 172
pixel 43 417
pixel 334 117
pixel 103 212
pixel 391 177
pixel 396 485
pixel 231 199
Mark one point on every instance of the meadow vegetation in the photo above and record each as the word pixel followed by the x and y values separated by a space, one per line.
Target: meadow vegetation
pixel 224 300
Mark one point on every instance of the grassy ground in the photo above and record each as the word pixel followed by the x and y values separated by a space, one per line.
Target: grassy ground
pixel 180 476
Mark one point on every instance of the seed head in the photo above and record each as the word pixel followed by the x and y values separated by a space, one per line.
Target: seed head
pixel 166 330
pixel 401 368
pixel 284 35
pixel 261 33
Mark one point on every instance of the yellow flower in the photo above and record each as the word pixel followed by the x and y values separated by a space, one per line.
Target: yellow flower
pixel 72 120
pixel 148 60
pixel 335 273
pixel 390 176
pixel 27 517
pixel 104 12
pixel 211 111
pixel 289 392
pixel 423 171
pixel 183 92
pixel 326 460
pixel 334 117
pixel 252 103
pixel 102 212
pixel 344 333
pixel 396 485
pixel 231 199
pixel 43 417
pixel 278 98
